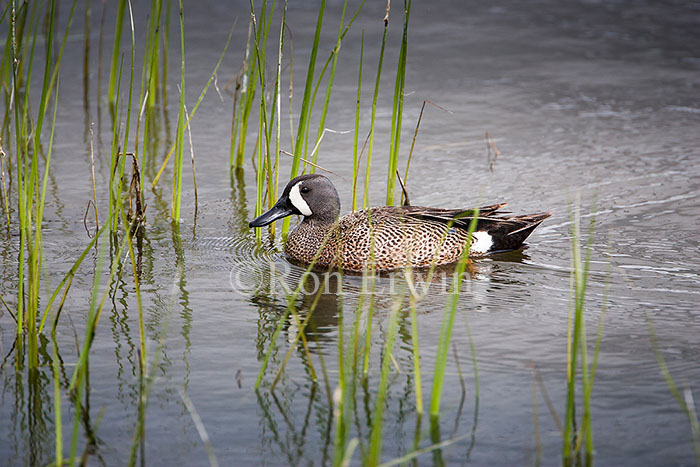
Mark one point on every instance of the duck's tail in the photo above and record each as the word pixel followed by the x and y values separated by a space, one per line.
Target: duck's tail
pixel 509 232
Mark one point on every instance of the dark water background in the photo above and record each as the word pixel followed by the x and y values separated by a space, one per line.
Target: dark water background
pixel 594 102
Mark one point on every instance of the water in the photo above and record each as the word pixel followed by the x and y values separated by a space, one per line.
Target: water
pixel 589 102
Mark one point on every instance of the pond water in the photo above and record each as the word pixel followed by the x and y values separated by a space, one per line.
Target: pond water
pixel 593 103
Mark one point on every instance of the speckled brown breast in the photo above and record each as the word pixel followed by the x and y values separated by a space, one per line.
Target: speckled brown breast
pixel 385 235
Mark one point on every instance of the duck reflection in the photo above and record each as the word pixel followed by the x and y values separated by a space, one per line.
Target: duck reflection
pixel 323 293
pixel 336 322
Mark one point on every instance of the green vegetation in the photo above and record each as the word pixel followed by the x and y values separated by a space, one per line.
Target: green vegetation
pixel 578 437
pixel 369 334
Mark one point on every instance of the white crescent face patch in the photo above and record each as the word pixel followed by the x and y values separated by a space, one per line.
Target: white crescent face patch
pixel 298 201
pixel 481 242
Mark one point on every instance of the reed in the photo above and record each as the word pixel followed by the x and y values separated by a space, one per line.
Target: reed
pixel 116 162
pixel 365 200
pixel 397 110
pixel 448 323
pixel 577 440
pixel 119 164
pixel 148 93
pixel 355 155
pixel 264 127
pixel 31 187
pixel 180 133
pixel 306 103
pixel 116 49
pixel 249 90
pixel 267 171
pixel 333 60
pixel 273 181
pixel 166 52
pixel 86 53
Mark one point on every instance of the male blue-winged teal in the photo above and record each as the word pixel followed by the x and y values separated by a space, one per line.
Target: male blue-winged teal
pixel 390 236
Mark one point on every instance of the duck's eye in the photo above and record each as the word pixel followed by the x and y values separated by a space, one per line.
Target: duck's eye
pixel 305 189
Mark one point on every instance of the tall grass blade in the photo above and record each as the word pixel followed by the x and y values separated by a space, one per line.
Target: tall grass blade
pixel 448 322
pixel 331 79
pixel 397 111
pixel 365 200
pixel 577 351
pixel 305 104
pixel 355 158
pixel 114 69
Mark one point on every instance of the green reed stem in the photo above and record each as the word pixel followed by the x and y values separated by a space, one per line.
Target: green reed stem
pixel 305 104
pixel 277 108
pixel 166 51
pixel 397 112
pixel 300 335
pixel 365 199
pixel 114 182
pixel 331 78
pixel 68 278
pixel 78 380
pixel 180 134
pixel 121 155
pixel 355 160
pixel 448 322
pixel 149 81
pixel 113 74
pixel 31 188
pixel 28 179
pixel 250 84
pixel 331 60
pixel 577 345
pixel 58 419
pixel 264 130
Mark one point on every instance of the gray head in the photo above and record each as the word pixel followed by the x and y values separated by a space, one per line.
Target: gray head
pixel 312 196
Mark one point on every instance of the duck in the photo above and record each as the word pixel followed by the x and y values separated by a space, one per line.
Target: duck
pixel 387 238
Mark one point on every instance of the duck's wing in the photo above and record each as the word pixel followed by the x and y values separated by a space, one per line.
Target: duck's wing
pixel 504 232
pixel 455 216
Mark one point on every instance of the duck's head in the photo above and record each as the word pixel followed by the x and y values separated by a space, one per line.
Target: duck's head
pixel 312 196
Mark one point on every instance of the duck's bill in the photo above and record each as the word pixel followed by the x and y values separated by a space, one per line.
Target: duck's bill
pixel 278 211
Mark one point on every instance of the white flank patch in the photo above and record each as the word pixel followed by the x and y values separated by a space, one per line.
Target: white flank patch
pixel 481 242
pixel 298 201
